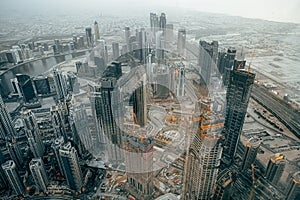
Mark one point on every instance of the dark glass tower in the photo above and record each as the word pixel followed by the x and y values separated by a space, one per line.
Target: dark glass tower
pixel 237 98
pixel 70 163
pixel 13 177
pixel 89 37
pixel 207 58
pixel 139 104
pixel 275 168
pixel 181 41
pixel 6 125
pixel 26 87
pixel 107 106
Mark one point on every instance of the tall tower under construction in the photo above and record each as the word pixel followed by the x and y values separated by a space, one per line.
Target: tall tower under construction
pixel 139 164
pixel 203 158
pixel 237 98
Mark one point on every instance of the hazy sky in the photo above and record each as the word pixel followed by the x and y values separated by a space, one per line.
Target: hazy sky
pixel 277 10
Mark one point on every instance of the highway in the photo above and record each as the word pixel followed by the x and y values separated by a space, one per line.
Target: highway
pixel 279 108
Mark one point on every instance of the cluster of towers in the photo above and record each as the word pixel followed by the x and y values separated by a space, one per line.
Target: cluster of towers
pixel 13 161
pixel 213 168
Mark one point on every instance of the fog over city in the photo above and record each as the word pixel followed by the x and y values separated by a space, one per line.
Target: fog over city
pixel 275 10
pixel 150 99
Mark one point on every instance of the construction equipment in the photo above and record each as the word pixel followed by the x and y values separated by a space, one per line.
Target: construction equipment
pixel 205 127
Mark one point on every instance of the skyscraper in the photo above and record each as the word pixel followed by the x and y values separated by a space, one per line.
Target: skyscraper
pixel 181 41
pixel 13 177
pixel 207 59
pixel 180 77
pixel 142 44
pixel 26 87
pixel 163 23
pixel 70 164
pixel 203 159
pixel 39 174
pixel 58 47
pixel 154 23
pixel 169 33
pixel 6 124
pixel 60 84
pixel 275 168
pixel 58 121
pixel 140 104
pixel 97 34
pixel 15 153
pixel 80 129
pixel 229 64
pixel 116 50
pixel 42 85
pixel 250 153
pixel 160 46
pixel 89 37
pixel 33 134
pixel 56 145
pixel 139 165
pixel 107 111
pixel 127 36
pixel 293 189
pixel 223 188
pixel 237 98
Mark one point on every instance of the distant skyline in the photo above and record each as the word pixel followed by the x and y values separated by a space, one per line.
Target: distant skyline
pixel 274 10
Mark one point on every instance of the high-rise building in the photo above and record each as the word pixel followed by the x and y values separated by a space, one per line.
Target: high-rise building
pixel 116 50
pixel 275 168
pixel 250 153
pixel 81 42
pixel 127 36
pixel 293 189
pixel 16 87
pixel 13 177
pixel 180 77
pixel 60 84
pixel 39 174
pixel 169 33
pixel 3 179
pixel 154 23
pixel 56 145
pixel 89 37
pixel 108 105
pixel 203 159
pixel 58 46
pixel 26 87
pixel 81 134
pixel 139 165
pixel 237 98
pixel 162 83
pixel 33 134
pixel 15 153
pixel 42 85
pixel 229 64
pixel 142 44
pixel 95 96
pixel 163 22
pixel 207 59
pixel 6 124
pixel 223 188
pixel 140 104
pixel 58 121
pixel 70 164
pixel 181 42
pixel 97 34
pixel 160 46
